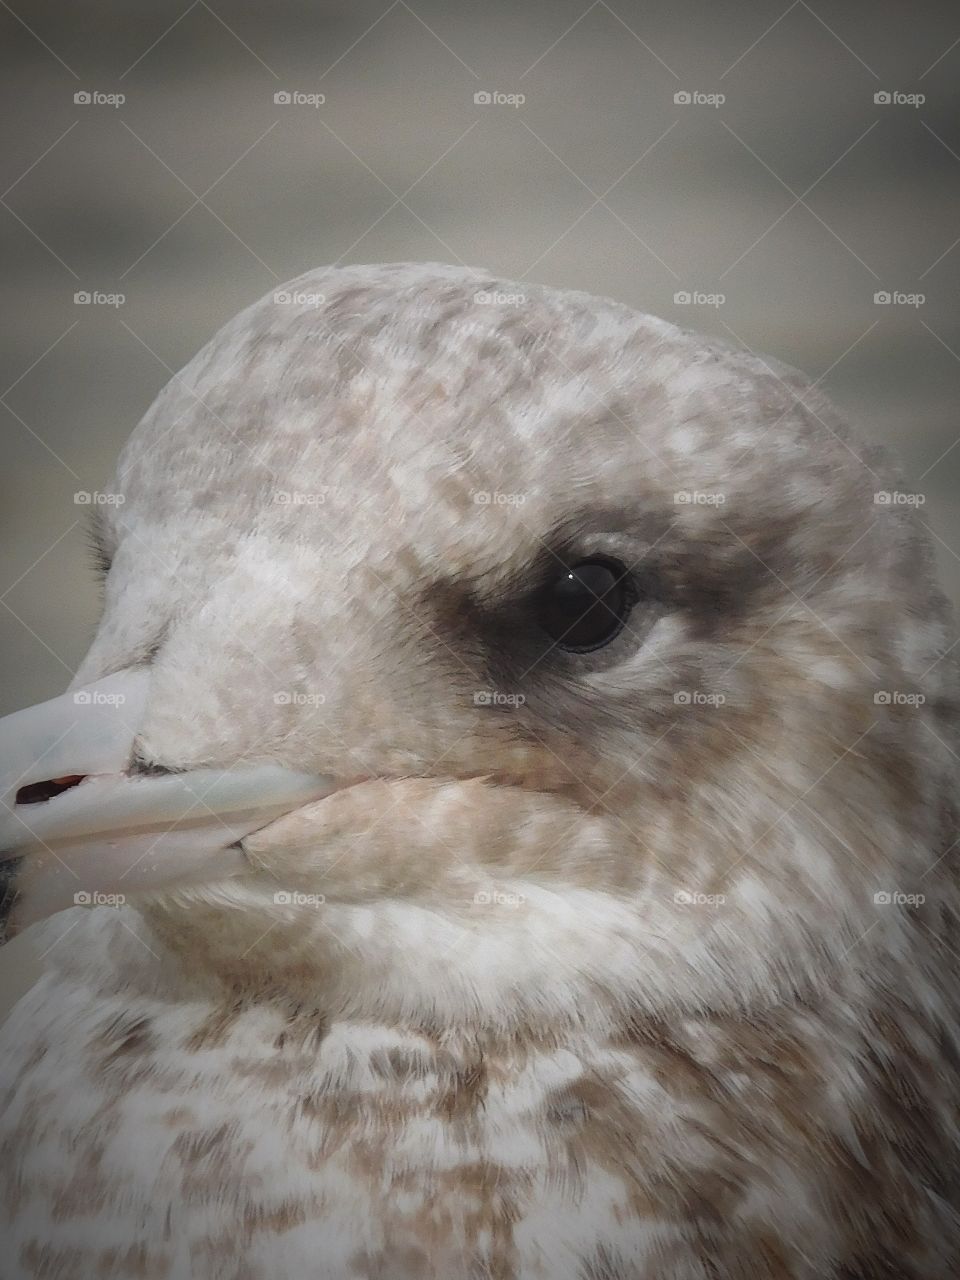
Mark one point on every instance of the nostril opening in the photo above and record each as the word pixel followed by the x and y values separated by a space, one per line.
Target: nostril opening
pixel 37 792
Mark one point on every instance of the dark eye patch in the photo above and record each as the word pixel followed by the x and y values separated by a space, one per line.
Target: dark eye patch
pixel 569 610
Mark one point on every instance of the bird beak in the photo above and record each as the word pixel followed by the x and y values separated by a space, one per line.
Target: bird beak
pixel 85 829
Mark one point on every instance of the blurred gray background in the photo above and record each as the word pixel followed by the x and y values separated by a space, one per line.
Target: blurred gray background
pixel 795 199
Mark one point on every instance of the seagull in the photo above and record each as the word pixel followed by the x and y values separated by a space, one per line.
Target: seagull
pixel 504 826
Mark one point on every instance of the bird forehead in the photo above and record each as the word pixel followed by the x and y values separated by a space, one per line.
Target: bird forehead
pixel 420 416
pixel 384 375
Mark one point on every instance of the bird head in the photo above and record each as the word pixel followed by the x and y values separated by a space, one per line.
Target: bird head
pixel 482 645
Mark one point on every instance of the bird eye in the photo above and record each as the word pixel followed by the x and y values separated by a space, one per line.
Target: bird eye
pixel 585 606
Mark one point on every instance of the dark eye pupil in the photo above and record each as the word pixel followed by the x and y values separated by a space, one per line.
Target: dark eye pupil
pixel 586 606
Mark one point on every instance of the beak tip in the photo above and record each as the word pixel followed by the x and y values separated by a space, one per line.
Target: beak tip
pixel 79 797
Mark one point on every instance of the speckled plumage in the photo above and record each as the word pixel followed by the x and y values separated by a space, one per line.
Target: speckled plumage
pixel 587 986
